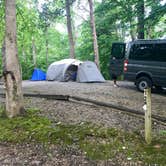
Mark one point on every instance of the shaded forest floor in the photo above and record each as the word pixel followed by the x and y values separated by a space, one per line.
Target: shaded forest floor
pixel 87 134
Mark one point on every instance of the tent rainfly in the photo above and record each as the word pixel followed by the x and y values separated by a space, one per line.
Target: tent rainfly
pixel 74 70
pixel 63 70
pixel 88 72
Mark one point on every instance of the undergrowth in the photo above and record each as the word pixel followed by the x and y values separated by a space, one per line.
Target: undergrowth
pixel 96 142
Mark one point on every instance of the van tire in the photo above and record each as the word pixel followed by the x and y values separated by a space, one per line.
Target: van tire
pixel 143 82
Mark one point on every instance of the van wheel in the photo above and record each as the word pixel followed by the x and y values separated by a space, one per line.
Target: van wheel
pixel 142 83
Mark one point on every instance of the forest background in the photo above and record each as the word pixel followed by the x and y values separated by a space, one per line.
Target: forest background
pixel 42 36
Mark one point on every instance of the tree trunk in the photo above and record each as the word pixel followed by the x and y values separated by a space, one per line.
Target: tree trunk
pixel 93 27
pixel 34 52
pixel 149 32
pixel 23 53
pixel 46 45
pixel 140 16
pixel 132 32
pixel 69 29
pixel 11 67
pixel 123 31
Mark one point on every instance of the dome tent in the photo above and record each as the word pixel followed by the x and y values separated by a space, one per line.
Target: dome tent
pixel 38 75
pixel 88 72
pixel 62 70
pixel 74 70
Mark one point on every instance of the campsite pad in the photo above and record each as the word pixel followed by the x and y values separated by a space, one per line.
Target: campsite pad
pixel 126 95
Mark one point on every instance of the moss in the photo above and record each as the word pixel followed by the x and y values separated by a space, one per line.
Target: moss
pixel 163 132
pixel 96 142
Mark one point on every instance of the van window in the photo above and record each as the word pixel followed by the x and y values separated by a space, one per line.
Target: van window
pixel 148 52
pixel 160 51
pixel 118 50
pixel 142 52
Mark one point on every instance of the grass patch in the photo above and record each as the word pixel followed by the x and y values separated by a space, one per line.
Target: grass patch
pixel 96 142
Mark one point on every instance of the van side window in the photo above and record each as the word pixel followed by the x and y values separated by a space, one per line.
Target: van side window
pixel 160 51
pixel 142 52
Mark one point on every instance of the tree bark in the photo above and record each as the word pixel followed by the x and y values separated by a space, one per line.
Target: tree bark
pixel 132 32
pixel 140 16
pixel 69 29
pixel 93 27
pixel 11 67
pixel 34 52
pixel 46 45
pixel 23 53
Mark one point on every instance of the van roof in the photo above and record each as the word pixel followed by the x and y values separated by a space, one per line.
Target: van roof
pixel 154 41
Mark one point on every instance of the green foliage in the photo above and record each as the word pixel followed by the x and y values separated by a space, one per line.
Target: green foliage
pixel 32 23
pixel 84 49
pixel 49 12
pixel 27 69
pixel 115 21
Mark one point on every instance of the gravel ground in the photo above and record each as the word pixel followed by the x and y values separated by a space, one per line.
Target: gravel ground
pixel 36 155
pixel 74 113
pixel 126 95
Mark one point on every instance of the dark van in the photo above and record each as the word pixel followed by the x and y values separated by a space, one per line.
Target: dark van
pixel 143 62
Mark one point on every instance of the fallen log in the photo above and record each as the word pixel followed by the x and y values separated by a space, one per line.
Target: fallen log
pixel 99 103
pixel 117 107
pixel 47 96
pixel 51 97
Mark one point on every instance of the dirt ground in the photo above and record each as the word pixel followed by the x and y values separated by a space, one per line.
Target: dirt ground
pixel 74 113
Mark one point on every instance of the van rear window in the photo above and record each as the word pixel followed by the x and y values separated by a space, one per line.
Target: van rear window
pixel 118 51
